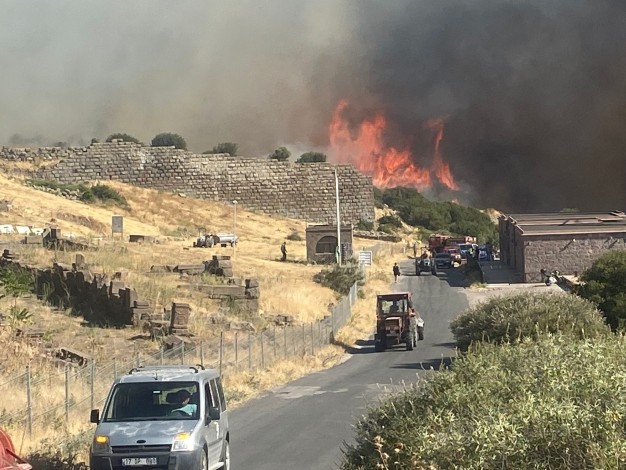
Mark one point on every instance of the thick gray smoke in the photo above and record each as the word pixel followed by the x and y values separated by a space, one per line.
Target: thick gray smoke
pixel 257 73
pixel 533 91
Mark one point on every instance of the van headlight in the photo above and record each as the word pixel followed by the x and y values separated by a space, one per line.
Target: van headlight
pixel 182 441
pixel 101 445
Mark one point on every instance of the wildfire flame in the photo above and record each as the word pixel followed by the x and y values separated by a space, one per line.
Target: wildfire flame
pixel 388 166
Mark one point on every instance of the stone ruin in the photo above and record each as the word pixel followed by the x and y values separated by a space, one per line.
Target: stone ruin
pixel 218 266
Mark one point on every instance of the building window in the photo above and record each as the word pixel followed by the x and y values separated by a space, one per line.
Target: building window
pixel 326 245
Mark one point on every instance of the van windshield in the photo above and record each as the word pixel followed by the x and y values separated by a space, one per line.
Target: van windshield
pixel 153 401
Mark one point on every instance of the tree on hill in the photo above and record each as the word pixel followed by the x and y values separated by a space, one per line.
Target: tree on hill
pixel 312 157
pixel 281 154
pixel 123 137
pixel 224 147
pixel 605 285
pixel 167 139
pixel 414 209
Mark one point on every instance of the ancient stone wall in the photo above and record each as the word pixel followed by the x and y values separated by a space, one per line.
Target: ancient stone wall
pixel 303 191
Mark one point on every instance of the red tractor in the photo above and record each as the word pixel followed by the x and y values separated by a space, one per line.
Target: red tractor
pixel 394 324
pixel 8 458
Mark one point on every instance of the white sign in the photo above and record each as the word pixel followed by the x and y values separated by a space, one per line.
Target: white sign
pixel 365 257
pixel 117 224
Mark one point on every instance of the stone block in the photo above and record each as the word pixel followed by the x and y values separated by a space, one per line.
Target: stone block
pixel 115 287
pixel 228 291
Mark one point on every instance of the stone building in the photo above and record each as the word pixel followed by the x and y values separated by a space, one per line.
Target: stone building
pixel 321 243
pixel 568 242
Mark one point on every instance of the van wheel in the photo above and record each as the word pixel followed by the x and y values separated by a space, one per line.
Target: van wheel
pixel 226 456
pixel 204 462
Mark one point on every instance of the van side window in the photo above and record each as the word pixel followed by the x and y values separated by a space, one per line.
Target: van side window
pixel 220 390
pixel 214 395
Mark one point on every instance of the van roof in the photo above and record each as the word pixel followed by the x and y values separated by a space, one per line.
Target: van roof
pixel 182 373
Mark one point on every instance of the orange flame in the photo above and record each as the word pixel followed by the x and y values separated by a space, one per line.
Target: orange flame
pixel 388 166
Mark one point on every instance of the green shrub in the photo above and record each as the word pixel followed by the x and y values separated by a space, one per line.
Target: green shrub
pixel 105 194
pixel 340 278
pixel 527 315
pixel 225 147
pixel 281 154
pixel 391 220
pixel 366 225
pixel 551 404
pixel 605 285
pixel 123 137
pixel 167 139
pixel 312 157
pixel 294 237
pixel 39 183
pixel 415 210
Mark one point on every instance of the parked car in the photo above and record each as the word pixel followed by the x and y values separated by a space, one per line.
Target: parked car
pixel 455 253
pixel 171 417
pixel 443 260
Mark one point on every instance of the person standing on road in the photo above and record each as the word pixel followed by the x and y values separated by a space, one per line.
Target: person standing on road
pixel 396 272
pixel 283 250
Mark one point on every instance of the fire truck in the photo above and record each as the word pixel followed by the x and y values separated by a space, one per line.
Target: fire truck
pixel 437 242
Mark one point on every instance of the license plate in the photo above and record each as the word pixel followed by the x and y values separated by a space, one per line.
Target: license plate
pixel 138 461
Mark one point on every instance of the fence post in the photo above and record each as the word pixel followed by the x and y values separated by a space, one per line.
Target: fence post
pixel 319 333
pixel 29 401
pixel 161 352
pixel 182 353
pixel 236 351
pixel 285 339
pixel 92 373
pixel 303 341
pixel 221 350
pixel 262 354
pixel 249 350
pixel 274 342
pixel 202 353
pixel 67 394
pixel 312 342
pixel 332 324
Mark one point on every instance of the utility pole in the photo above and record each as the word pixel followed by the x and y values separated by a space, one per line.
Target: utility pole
pixel 338 220
pixel 234 226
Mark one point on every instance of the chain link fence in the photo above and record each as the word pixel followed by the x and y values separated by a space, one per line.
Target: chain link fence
pixel 65 394
pixel 51 400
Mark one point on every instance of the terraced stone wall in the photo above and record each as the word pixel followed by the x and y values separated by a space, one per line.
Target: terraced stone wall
pixel 302 191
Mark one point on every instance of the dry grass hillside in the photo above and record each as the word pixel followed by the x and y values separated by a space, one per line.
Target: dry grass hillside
pixel 286 288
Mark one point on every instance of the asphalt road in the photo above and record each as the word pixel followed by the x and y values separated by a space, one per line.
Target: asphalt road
pixel 305 424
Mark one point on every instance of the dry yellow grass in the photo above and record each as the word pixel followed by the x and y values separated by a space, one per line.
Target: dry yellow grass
pixel 286 288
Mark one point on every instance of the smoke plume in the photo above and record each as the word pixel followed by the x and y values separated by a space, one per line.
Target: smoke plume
pixel 533 92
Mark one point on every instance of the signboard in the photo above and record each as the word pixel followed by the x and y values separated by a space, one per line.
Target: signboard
pixel 117 224
pixel 365 258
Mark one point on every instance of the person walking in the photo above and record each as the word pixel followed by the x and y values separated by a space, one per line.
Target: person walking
pixel 283 250
pixel 396 272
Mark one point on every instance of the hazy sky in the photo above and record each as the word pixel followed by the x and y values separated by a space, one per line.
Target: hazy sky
pixel 533 91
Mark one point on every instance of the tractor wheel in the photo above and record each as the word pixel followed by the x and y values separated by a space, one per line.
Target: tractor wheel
pixel 380 344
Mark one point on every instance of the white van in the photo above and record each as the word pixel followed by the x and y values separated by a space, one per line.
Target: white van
pixel 163 417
